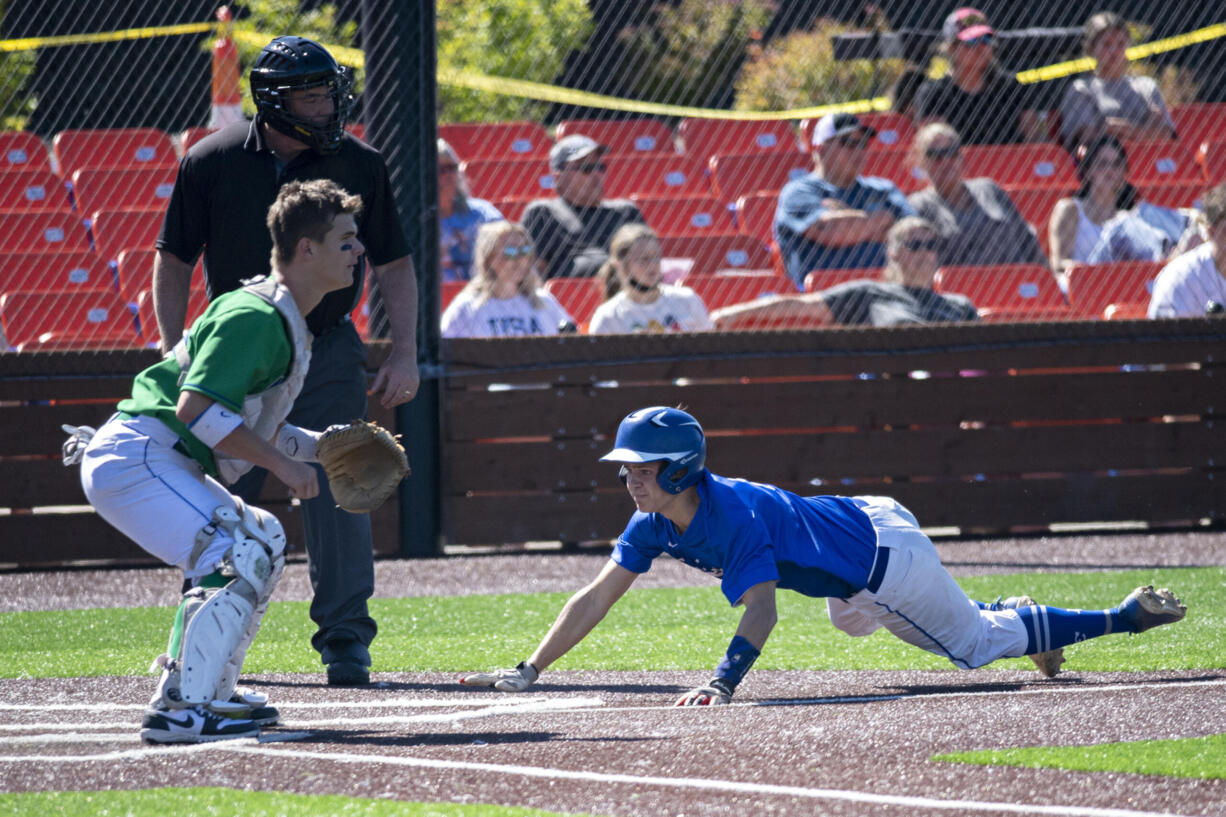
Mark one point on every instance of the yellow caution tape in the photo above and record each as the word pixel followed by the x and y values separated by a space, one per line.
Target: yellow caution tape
pixel 552 93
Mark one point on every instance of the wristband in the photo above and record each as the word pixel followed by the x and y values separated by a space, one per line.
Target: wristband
pixel 298 443
pixel 737 661
pixel 214 424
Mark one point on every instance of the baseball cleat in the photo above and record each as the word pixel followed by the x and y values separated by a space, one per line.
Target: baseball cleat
pixel 1048 661
pixel 195 724
pixel 1146 608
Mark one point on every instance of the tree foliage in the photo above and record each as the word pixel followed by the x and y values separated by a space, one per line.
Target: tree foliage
pixel 800 70
pixel 685 53
pixel 516 39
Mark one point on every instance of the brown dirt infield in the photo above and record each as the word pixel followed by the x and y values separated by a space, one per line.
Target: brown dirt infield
pixel 838 743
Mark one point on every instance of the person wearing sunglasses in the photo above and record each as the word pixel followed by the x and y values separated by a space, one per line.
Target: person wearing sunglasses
pixel 978 222
pixel 903 294
pixel 835 218
pixel 459 216
pixel 636 297
pixel 572 231
pixel 1109 100
pixel 504 298
pixel 979 99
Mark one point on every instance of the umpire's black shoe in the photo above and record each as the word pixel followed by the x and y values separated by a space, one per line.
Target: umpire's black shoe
pixel 347 674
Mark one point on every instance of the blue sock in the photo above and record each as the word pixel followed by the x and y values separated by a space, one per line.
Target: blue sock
pixel 1050 627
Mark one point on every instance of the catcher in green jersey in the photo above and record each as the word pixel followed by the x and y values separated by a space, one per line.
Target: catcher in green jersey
pixel 211 409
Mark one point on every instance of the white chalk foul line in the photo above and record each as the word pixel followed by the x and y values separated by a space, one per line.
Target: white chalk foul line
pixel 705 784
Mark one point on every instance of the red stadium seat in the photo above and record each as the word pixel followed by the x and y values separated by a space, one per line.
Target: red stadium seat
pixel 46 231
pixel 687 216
pixel 633 136
pixel 1199 122
pixel 894 130
pixel 736 175
pixel 660 176
pixel 722 290
pixel 115 188
pixel 712 253
pixel 512 209
pixel 113 147
pixel 1036 203
pixel 54 272
pixel 1020 166
pixel 497 140
pixel 755 215
pixel 114 231
pixel 1011 292
pixel 703 138
pixel 197 300
pixel 1213 161
pixel 578 296
pixel 819 279
pixel 1126 312
pixel 134 272
pixel 1171 194
pixel 447 291
pixel 1094 287
pixel 67 320
pixel 1162 161
pixel 509 178
pixel 22 150
pixel 357 129
pixel 894 165
pixel 29 190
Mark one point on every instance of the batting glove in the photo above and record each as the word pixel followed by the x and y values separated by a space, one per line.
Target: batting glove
pixel 504 680
pixel 716 693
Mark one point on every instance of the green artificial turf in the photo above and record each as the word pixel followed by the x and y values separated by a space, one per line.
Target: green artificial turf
pixel 1200 758
pixel 218 802
pixel 650 629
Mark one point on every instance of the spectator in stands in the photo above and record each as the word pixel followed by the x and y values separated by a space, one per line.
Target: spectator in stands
pixel 978 222
pixel 978 98
pixel 1109 101
pixel 459 217
pixel 1076 224
pixel 1106 221
pixel 834 218
pixel 904 295
pixel 504 297
pixel 1194 284
pixel 572 231
pixel 636 297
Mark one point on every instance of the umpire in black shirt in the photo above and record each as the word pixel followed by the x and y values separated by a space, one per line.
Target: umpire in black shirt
pixel 224 188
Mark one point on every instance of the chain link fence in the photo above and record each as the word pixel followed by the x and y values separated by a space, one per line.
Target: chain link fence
pixel 1051 188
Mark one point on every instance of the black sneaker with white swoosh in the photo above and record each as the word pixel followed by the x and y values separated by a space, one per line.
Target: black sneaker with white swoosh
pixel 194 724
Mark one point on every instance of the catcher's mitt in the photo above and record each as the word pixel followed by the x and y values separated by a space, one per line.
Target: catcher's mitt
pixel 364 464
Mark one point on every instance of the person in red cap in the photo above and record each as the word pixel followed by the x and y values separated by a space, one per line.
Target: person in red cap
pixel 980 100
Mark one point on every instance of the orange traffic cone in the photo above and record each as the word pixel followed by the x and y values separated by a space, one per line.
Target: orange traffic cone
pixel 227 98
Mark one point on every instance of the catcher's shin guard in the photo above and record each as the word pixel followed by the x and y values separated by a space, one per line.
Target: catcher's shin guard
pixel 216 624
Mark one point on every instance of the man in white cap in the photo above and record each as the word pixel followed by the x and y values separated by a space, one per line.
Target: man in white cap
pixel 834 218
pixel 571 232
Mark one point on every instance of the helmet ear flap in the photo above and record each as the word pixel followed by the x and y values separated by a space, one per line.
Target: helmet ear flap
pixel 623 474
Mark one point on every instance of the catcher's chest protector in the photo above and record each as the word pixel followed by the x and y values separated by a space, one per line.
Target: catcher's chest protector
pixel 263 413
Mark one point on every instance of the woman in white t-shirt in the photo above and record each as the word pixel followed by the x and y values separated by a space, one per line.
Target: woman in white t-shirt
pixel 505 297
pixel 636 298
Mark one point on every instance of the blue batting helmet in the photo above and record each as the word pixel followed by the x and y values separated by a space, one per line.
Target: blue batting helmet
pixel 661 433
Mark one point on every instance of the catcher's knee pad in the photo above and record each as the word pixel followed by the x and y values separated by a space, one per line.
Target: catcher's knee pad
pixel 216 624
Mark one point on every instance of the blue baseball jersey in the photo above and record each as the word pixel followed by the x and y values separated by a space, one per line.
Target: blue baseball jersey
pixel 748 532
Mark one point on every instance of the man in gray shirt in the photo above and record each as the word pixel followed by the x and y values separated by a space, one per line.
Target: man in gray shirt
pixel 571 233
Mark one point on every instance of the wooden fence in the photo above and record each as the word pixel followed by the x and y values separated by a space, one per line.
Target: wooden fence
pixel 991 427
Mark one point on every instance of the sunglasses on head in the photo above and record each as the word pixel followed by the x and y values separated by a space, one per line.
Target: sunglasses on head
pixel 523 250
pixel 947 152
pixel 598 167
pixel 921 245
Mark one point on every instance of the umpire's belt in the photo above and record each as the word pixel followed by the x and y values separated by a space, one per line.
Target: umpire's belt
pixel 880 563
